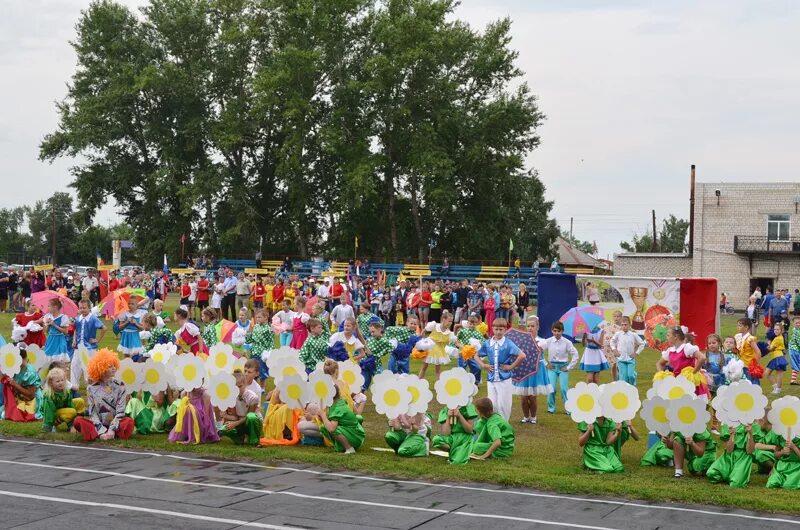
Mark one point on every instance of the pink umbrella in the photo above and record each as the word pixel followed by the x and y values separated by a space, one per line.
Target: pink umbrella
pixel 42 298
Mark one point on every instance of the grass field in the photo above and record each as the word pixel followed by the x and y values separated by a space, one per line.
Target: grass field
pixel 546 456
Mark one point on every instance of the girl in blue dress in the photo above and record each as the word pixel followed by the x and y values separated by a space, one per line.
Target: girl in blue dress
pixel 129 324
pixel 56 348
pixel 530 377
pixel 594 360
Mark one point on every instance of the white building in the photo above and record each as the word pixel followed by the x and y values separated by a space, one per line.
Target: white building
pixel 745 235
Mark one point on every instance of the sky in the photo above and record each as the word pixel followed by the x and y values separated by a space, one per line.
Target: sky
pixel 634 93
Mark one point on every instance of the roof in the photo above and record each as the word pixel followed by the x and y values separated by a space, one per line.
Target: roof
pixel 569 255
pixel 652 255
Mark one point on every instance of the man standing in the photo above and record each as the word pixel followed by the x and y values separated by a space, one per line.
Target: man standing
pixel 90 284
pixel 778 306
pixel 336 291
pixel 461 300
pixel 243 290
pixel 229 296
pixel 324 295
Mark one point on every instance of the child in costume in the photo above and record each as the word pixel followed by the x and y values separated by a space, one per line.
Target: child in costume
pixel 251 373
pixel 776 359
pixel 748 350
pixel 626 345
pixel 377 348
pixel 158 335
pixel 261 341
pixel 530 378
pixel 22 394
pixel 609 330
pixel 349 338
pixel 786 473
pixel 466 335
pixel 29 326
pixel 697 453
pixel 318 312
pixel 194 421
pixel 129 325
pixel 683 356
pixel 188 334
pixel 502 357
pixel 242 422
pixel 409 436
pixel 315 347
pixel 458 426
pixel 365 317
pixel 715 362
pixel 152 413
pixel 105 402
pixel 598 441
pixel 280 423
pixel 342 426
pixel 767 445
pixel 299 324
pixel 57 324
pixel 405 337
pixel 561 358
pixel 495 435
pixel 58 406
pixel 593 360
pixel 87 326
pixel 489 306
pixel 735 464
pixel 243 328
pixel 209 334
pixel 442 337
pixel 283 322
pixel 794 348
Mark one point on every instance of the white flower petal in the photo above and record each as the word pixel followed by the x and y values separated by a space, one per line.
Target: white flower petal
pixel 294 391
pixel 785 416
pixel 222 390
pixel 688 415
pixel 583 402
pixel 654 414
pixel 619 401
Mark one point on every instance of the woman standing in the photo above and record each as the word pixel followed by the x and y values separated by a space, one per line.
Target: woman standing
pixel 523 300
pixel 752 314
pixel 592 293
pixel 424 305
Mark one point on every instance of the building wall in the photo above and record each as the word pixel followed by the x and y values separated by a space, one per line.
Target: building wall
pixel 653 265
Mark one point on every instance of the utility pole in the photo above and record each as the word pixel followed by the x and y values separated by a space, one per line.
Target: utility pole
pixel 570 227
pixel 53 236
pixel 654 231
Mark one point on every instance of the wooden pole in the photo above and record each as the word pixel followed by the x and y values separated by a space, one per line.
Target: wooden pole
pixel 691 212
pixel 654 232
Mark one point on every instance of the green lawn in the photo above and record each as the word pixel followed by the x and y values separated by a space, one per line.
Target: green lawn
pixel 547 456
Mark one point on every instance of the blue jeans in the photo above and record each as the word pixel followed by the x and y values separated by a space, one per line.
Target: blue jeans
pixel 556 375
pixel 399 367
pixel 286 338
pixel 627 371
pixel 471 366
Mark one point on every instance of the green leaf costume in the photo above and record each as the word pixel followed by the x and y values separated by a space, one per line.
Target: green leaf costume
pixel 786 473
pixel 459 441
pixel 734 467
pixel 490 429
pixel 349 426
pixel 597 454
pixel 248 432
pixel 148 416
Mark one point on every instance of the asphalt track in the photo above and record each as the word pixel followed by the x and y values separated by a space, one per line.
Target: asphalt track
pixel 47 485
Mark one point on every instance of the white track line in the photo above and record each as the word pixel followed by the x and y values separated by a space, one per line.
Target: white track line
pixel 526 520
pixel 420 483
pixel 146 510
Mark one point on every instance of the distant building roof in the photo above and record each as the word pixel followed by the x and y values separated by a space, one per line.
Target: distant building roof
pixel 569 255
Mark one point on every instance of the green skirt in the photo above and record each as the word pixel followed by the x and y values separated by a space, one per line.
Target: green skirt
pixel 601 458
pixel 785 475
pixel 248 432
pixel 407 445
pixel 733 468
pixel 460 446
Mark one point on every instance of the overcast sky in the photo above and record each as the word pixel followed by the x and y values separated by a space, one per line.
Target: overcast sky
pixel 634 92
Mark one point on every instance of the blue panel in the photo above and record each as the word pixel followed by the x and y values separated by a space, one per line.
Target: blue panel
pixel 557 294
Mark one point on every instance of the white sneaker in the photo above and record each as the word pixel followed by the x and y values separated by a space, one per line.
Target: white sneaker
pixel 350 451
pixel 532 420
pixel 524 420
pixel 776 391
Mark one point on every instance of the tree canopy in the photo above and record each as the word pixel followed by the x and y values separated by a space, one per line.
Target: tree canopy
pixel 671 238
pixel 306 123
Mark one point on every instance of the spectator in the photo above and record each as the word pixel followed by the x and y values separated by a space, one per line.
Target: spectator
pixel 796 299
pixel 460 302
pixel 91 285
pixel 475 300
pixel 752 314
pixel 287 265
pixel 445 268
pixel 523 299
pixel 243 290
pixel 777 307
pixel 37 282
pixel 3 289
pixel 229 297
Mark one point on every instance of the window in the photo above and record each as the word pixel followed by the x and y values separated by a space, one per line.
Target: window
pixel 778 227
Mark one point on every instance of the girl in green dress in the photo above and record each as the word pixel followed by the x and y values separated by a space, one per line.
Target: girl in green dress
pixel 698 453
pixel 495 435
pixel 786 473
pixel 457 429
pixel 342 426
pixel 735 464
pixel 409 436
pixel 153 413
pixel 598 441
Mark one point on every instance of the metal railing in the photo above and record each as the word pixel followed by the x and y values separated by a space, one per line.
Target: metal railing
pixel 763 244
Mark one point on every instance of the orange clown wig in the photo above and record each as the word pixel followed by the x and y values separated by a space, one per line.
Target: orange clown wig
pixel 100 363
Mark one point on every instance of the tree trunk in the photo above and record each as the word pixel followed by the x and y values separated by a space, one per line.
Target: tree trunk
pixel 390 180
pixel 415 217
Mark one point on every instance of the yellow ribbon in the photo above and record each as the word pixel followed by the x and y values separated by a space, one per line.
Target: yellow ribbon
pixel 183 406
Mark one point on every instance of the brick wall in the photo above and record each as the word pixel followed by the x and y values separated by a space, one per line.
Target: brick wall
pixel 653 265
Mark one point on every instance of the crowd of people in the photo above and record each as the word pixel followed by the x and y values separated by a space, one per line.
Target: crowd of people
pixel 327 321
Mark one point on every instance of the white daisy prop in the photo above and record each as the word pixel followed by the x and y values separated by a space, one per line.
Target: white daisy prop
pixel 350 373
pixel 391 397
pixel 279 355
pixel 285 367
pixel 294 391
pixel 154 376
pixel 172 370
pixel 10 360
pixel 421 395
pixel 654 414
pixel 455 388
pixel 619 401
pixel 384 377
pixel 688 415
pixel 719 411
pixel 130 373
pixel 744 402
pixel 222 390
pixel 189 372
pixel 220 358
pixel 238 364
pixel 583 402
pixel 674 387
pixel 37 358
pixel 321 388
pixel 161 353
pixel 785 416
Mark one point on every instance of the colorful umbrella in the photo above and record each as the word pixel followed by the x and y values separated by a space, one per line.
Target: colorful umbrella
pixel 42 298
pixel 117 301
pixel 224 329
pixel 582 319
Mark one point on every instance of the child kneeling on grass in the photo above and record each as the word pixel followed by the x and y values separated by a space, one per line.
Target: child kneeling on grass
pixel 457 429
pixel 242 422
pixel 598 441
pixel 342 426
pixel 698 452
pixel 735 464
pixel 786 473
pixel 495 435
pixel 408 436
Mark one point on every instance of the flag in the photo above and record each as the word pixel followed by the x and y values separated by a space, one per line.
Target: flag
pixel 166 267
pixel 510 245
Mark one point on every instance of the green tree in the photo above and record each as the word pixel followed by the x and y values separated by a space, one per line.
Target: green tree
pixel 49 219
pixel 12 237
pixel 671 238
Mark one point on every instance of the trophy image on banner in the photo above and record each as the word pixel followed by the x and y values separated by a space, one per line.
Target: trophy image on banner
pixel 639 298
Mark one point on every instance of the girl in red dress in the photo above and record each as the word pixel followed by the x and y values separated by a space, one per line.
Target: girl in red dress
pixel 31 314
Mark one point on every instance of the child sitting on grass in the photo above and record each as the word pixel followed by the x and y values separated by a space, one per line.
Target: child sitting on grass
pixel 22 394
pixel 342 426
pixel 698 452
pixel 408 435
pixel 735 464
pixel 105 401
pixel 598 440
pixel 495 435
pixel 242 422
pixel 194 421
pixel 786 473
pixel 458 426
pixel 58 406
pixel 152 413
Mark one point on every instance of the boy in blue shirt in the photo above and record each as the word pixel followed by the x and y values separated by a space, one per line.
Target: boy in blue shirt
pixel 86 327
pixel 501 357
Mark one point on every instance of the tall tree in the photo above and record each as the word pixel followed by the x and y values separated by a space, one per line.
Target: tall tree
pixel 671 238
pixel 51 221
